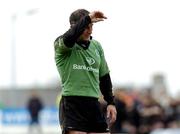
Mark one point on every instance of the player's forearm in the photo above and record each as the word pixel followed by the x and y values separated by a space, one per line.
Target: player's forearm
pixel 106 89
pixel 71 36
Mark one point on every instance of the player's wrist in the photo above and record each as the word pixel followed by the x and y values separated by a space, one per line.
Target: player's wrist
pixel 91 16
pixel 110 101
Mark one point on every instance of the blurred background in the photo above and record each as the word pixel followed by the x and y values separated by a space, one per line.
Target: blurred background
pixel 140 40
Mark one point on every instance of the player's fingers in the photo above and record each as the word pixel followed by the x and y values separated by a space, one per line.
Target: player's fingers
pixel 108 114
pixel 113 117
pixel 97 19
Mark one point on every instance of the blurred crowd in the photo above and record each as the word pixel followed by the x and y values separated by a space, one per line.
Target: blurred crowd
pixel 139 112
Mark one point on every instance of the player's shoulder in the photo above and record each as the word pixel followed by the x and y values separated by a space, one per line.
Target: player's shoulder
pixel 97 44
pixel 57 39
pixel 95 41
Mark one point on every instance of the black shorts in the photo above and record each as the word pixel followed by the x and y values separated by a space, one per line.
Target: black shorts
pixel 82 114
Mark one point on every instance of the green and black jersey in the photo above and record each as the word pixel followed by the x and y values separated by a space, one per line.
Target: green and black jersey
pixel 82 65
pixel 80 68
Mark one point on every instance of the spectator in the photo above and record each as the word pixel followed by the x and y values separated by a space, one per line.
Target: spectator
pixel 34 107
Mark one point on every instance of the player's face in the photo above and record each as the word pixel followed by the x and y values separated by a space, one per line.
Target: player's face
pixel 87 32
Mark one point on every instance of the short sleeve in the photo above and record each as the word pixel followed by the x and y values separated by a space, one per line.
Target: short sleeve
pixel 104 69
pixel 60 47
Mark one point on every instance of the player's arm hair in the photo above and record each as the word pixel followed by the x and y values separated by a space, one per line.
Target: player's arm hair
pixel 106 89
pixel 71 36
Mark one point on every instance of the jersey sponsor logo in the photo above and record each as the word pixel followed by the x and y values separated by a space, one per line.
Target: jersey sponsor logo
pixel 90 60
pixel 83 67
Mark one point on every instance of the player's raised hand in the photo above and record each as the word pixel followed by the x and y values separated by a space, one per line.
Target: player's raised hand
pixel 97 16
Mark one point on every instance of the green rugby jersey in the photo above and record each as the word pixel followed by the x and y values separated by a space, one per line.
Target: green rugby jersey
pixel 80 69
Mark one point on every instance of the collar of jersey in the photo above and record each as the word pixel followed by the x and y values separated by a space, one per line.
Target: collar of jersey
pixel 84 44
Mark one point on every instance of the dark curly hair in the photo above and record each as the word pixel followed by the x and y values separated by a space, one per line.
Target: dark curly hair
pixel 77 15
